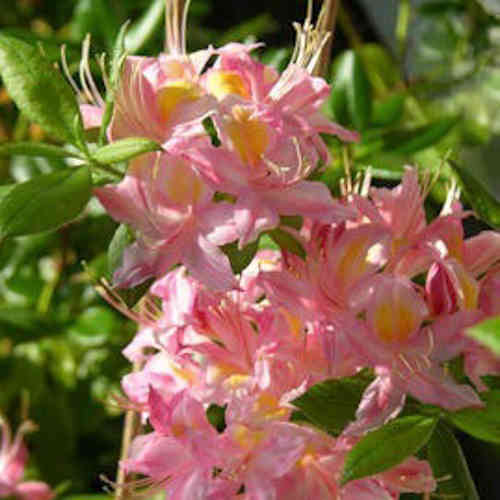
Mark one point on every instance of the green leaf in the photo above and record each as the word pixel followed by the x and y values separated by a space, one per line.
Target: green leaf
pixel 38 89
pixel 482 423
pixel 387 446
pixel 45 203
pixel 216 415
pixel 142 30
pixel 437 7
pixel 351 96
pixel 96 17
pixel 208 125
pixel 125 149
pixel 331 405
pixel 35 149
pixel 294 221
pixel 482 202
pixel 287 242
pixel 240 259
pixel 93 327
pixel 23 325
pixel 388 111
pixel 487 333
pixel 448 464
pixel 492 381
pixel 411 141
pixel 122 238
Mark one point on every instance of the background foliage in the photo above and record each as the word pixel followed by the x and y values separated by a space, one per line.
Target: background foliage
pixel 420 80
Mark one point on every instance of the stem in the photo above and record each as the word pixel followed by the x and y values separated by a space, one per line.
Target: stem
pixel 107 169
pixel 328 19
pixel 130 429
pixel 402 25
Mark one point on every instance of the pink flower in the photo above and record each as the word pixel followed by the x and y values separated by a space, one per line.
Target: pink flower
pixel 171 209
pixel 13 458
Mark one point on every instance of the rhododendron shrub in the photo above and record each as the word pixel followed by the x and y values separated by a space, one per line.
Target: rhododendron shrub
pixel 292 343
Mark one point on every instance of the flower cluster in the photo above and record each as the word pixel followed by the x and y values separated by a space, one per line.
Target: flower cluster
pixel 13 458
pixel 222 356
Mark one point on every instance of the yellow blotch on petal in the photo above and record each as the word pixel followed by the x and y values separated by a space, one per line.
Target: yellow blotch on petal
pixel 223 83
pixel 267 405
pixel 249 136
pixel 184 186
pixel 394 322
pixel 246 438
pixel 175 93
pixel 469 289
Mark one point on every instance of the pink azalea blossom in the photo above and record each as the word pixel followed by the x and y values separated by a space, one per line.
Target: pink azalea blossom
pixel 13 458
pixel 171 209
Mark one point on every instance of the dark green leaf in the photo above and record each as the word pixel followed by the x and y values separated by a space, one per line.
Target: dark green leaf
pixel 437 7
pixel 94 16
pixel 449 465
pixel 331 405
pixel 482 423
pixel 277 58
pixel 487 333
pixel 38 89
pixel 125 149
pixel 35 149
pixel 287 242
pixel 23 325
pixel 93 327
pixel 351 97
pixel 388 111
pixel 45 203
pixel 208 125
pixel 294 221
pixel 492 381
pixel 240 259
pixel 483 203
pixel 216 415
pixel 387 446
pixel 411 141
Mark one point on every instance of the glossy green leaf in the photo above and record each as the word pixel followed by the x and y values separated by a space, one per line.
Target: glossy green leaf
pixel 23 325
pixel 351 99
pixel 485 205
pixel 240 259
pixel 440 7
pixel 492 381
pixel 35 149
pixel 411 141
pixel 38 89
pixel 387 446
pixel 145 27
pixel 482 423
pixel 287 242
pixel 125 149
pixel 389 111
pixel 487 333
pixel 449 465
pixel 97 17
pixel 93 327
pixel 331 405
pixel 45 203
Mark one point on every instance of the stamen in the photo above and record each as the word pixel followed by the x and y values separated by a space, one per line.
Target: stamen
pixel 67 73
pixel 176 21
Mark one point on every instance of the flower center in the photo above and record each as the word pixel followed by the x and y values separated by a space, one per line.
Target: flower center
pixel 249 135
pixel 175 93
pixel 223 83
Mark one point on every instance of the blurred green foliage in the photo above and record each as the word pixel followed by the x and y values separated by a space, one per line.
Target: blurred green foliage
pixel 431 96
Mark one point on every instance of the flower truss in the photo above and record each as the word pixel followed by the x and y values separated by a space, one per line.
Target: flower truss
pixel 223 356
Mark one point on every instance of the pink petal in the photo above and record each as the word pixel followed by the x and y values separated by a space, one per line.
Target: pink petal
pixel 92 115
